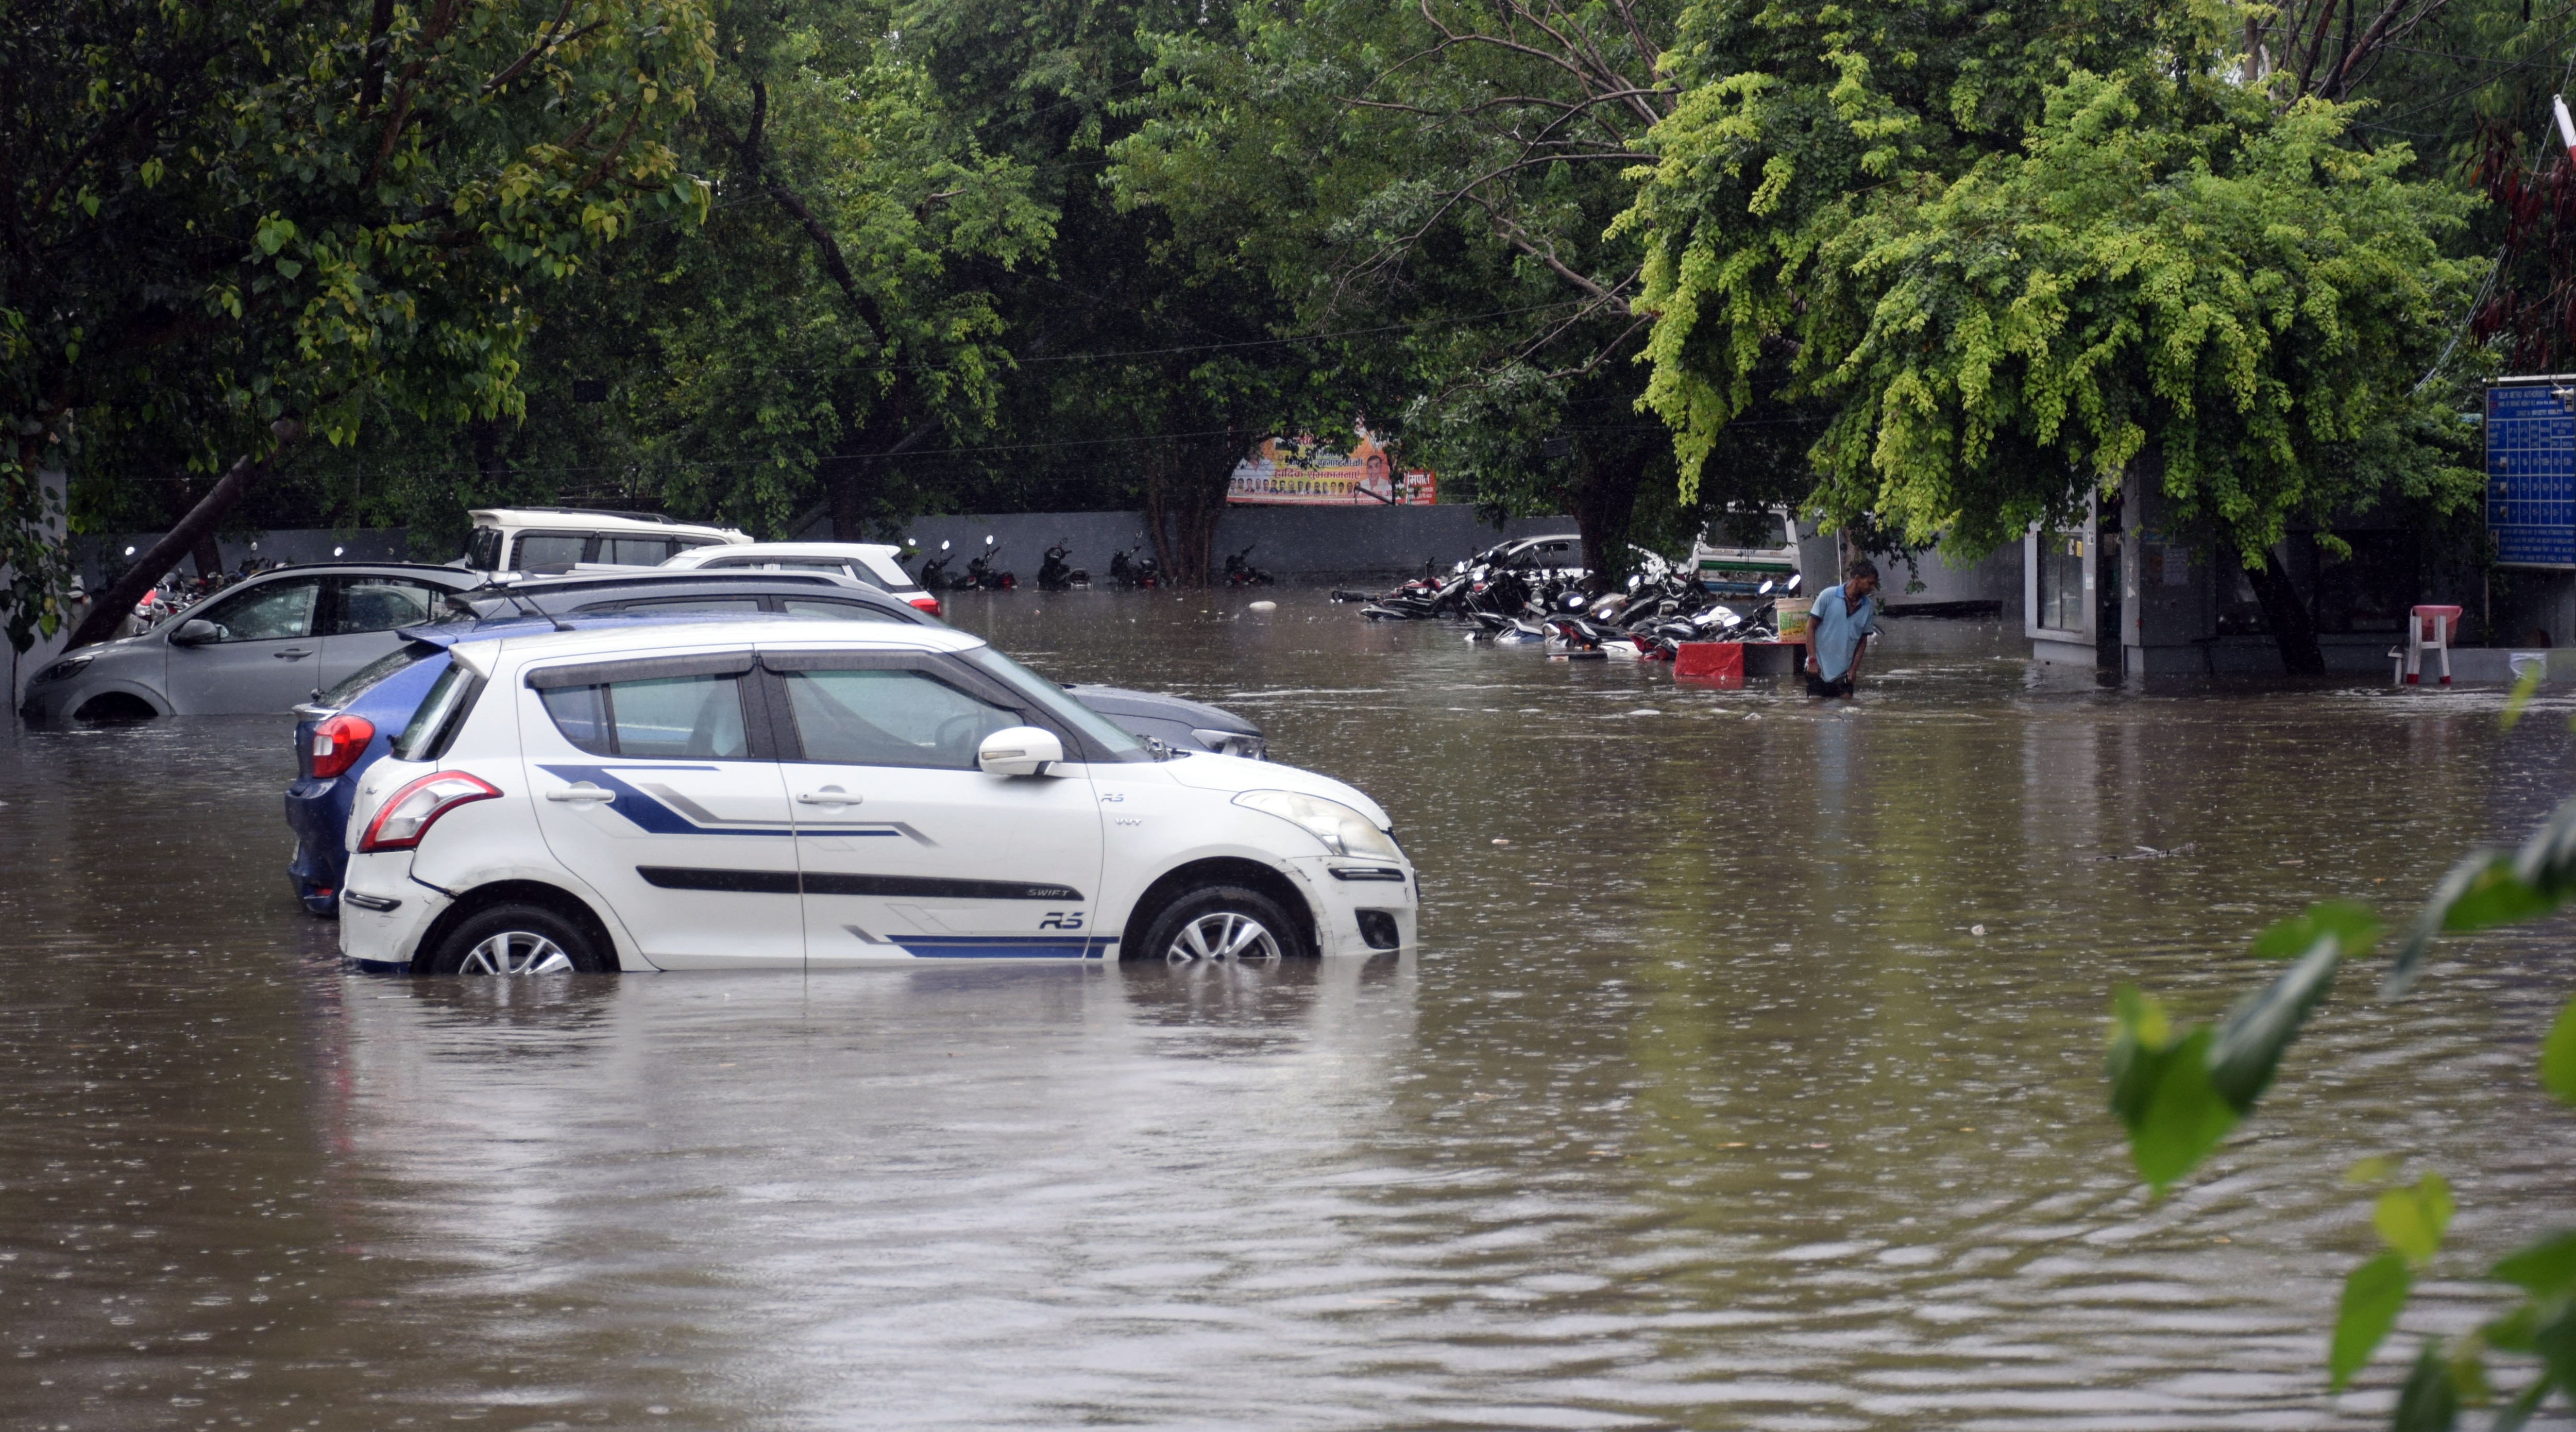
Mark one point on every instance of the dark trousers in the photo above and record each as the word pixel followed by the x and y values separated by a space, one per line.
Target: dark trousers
pixel 1839 686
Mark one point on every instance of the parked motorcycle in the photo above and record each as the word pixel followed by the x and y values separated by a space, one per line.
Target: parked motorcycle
pixel 1239 572
pixel 934 572
pixel 981 575
pixel 1141 572
pixel 1054 575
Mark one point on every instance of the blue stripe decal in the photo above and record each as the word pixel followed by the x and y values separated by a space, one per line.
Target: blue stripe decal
pixel 652 816
pixel 1004 947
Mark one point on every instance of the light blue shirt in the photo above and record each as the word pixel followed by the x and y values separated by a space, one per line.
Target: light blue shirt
pixel 1835 630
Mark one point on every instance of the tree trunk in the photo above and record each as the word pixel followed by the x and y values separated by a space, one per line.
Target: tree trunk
pixel 1185 488
pixel 208 553
pixel 118 600
pixel 2294 631
pixel 1605 496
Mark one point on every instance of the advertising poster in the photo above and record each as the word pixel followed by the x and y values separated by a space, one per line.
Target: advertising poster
pixel 1290 472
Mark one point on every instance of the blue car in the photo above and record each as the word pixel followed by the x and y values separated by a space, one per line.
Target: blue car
pixel 346 730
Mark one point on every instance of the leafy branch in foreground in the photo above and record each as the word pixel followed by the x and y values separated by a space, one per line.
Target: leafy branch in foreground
pixel 2180 1091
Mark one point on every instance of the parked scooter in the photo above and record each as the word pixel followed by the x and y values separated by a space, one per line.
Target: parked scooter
pixel 1141 572
pixel 980 573
pixel 1054 575
pixel 934 573
pixel 1239 572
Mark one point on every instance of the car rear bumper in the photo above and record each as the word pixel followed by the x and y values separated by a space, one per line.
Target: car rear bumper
pixel 317 811
pixel 384 912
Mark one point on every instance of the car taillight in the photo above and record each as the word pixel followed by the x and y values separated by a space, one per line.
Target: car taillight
pixel 337 743
pixel 926 602
pixel 408 813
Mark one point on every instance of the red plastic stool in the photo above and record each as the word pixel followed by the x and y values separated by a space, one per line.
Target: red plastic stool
pixel 2427 629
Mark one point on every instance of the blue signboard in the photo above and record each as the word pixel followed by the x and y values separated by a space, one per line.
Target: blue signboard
pixel 2531 476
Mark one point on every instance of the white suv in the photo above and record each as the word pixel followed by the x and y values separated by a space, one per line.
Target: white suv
pixel 793 795
pixel 877 564
pixel 515 539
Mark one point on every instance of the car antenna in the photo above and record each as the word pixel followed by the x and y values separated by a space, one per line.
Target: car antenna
pixel 532 609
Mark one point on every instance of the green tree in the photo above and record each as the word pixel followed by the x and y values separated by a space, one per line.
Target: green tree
pixel 1436 183
pixel 2022 257
pixel 233 226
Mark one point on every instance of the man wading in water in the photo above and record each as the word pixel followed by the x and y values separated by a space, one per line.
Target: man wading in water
pixel 1836 624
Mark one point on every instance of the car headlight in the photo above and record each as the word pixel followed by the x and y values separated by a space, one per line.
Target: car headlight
pixel 63 669
pixel 1231 743
pixel 1343 830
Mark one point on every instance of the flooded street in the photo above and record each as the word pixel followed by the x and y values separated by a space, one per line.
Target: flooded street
pixel 1703 1106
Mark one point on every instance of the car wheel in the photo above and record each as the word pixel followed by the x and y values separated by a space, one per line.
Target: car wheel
pixel 515 940
pixel 1222 922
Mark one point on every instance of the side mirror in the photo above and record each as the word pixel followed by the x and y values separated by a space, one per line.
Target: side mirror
pixel 1792 584
pixel 1019 751
pixel 197 631
pixel 1633 580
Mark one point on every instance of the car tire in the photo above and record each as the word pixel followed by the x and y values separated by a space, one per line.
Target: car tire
pixel 515 939
pixel 1222 922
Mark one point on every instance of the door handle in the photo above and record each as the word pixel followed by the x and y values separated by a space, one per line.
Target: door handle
pixel 290 655
pixel 828 796
pixel 582 792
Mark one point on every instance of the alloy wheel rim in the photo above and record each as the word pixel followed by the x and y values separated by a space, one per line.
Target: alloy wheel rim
pixel 1223 935
pixel 516 952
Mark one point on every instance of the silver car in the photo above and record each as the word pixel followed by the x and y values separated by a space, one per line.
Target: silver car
pixel 263 645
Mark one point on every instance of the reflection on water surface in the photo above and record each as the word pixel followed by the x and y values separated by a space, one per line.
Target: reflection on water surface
pixel 1703 1107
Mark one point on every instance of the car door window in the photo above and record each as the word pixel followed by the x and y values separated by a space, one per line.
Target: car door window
pixel 890 717
pixel 635 551
pixel 384 603
pixel 549 549
pixel 843 611
pixel 273 611
pixel 682 716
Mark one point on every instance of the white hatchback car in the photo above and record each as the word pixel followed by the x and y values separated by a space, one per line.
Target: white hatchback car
pixel 795 795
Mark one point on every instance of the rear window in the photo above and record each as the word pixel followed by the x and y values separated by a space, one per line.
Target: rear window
pixel 889 573
pixel 1763 530
pixel 434 723
pixel 377 670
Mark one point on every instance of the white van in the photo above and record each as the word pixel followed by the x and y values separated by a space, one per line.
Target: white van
pixel 1742 550
pixel 518 539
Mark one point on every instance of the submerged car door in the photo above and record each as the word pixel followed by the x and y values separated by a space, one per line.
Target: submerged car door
pixel 909 851
pixel 655 783
pixel 265 655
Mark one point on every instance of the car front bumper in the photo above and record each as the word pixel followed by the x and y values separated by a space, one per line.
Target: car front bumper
pixel 1361 907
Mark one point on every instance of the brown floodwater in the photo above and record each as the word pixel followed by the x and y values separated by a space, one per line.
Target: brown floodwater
pixel 1704 1105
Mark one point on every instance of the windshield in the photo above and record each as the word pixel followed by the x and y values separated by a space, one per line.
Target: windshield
pixel 375 671
pixel 1050 698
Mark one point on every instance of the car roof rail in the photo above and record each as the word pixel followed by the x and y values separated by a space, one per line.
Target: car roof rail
pixel 664 518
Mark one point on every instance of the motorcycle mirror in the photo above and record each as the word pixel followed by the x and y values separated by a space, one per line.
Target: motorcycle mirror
pixel 1793 582
pixel 988 539
pixel 1726 617
pixel 1765 589
pixel 1633 580
pixel 943 546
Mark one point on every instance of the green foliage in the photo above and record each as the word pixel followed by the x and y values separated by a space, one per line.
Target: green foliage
pixel 236 223
pixel 2179 1093
pixel 2373 1295
pixel 2023 253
